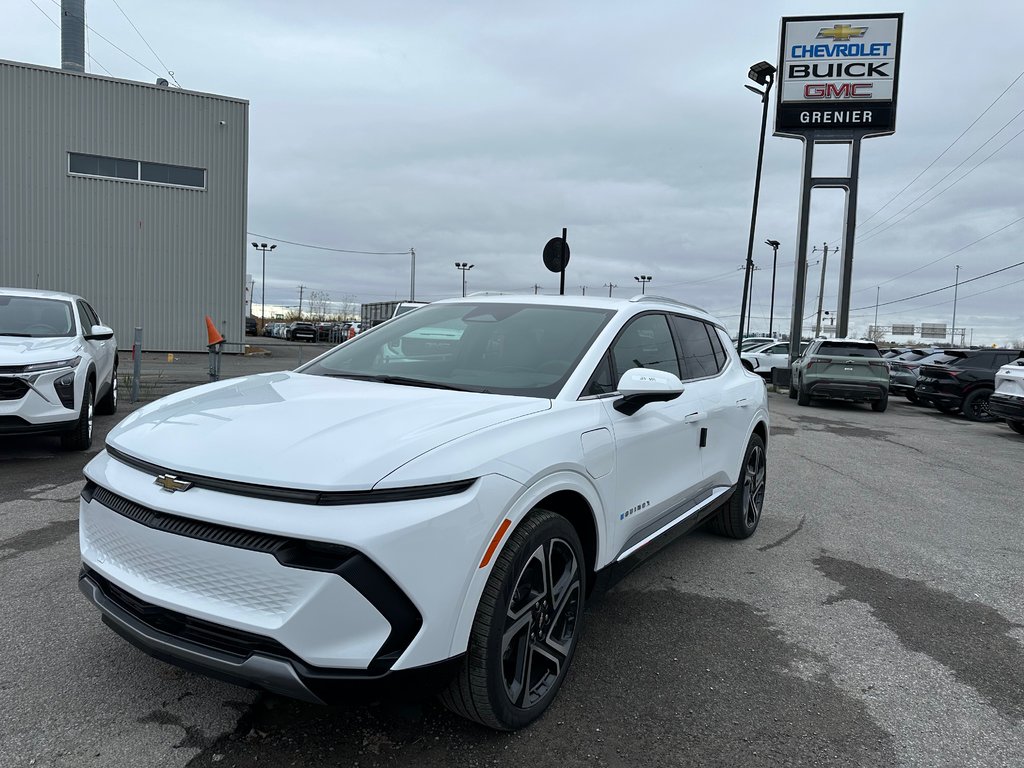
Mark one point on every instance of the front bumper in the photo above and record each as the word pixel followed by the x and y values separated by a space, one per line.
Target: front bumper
pixel 389 600
pixel 242 658
pixel 30 404
pixel 838 389
pixel 1006 407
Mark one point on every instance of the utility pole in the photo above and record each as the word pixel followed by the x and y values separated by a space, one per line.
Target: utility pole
pixel 750 303
pixel 584 289
pixel 535 289
pixel 609 286
pixel 301 289
pixel 821 292
pixel 952 331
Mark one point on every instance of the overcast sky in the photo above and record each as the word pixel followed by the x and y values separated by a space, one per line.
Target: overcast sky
pixel 476 131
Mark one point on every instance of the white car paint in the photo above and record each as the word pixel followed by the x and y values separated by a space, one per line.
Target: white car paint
pixel 633 472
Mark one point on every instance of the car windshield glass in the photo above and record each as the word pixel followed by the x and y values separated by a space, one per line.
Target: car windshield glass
pixel 845 349
pixel 35 317
pixel 500 348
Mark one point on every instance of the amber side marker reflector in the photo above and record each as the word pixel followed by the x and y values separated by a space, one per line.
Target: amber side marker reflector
pixel 494 542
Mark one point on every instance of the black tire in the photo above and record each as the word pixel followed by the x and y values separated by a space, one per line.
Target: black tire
pixel 519 615
pixel 1016 426
pixel 803 397
pixel 108 403
pixel 80 438
pixel 880 405
pixel 913 398
pixel 975 406
pixel 792 388
pixel 738 517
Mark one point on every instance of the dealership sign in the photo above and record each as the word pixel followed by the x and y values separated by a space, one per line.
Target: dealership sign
pixel 838 74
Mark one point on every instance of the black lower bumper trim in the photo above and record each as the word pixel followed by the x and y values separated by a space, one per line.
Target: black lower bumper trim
pixel 200 646
pixel 15 425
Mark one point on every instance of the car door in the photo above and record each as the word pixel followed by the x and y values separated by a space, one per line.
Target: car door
pixel 101 350
pixel 727 399
pixel 777 356
pixel 657 449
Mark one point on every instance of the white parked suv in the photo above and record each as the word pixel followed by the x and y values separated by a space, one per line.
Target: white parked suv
pixel 1007 402
pixel 496 476
pixel 58 366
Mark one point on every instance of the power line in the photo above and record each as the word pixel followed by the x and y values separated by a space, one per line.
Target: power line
pixel 45 14
pixel 147 43
pixel 113 45
pixel 950 301
pixel 943 258
pixel 326 248
pixel 944 288
pixel 880 228
pixel 943 152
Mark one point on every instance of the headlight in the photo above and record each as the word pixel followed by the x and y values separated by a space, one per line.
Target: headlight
pixel 71 362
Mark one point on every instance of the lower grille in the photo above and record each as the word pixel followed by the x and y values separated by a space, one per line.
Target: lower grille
pixel 12 389
pixel 198 631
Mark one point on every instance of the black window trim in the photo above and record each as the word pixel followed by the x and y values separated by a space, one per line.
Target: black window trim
pixel 138 172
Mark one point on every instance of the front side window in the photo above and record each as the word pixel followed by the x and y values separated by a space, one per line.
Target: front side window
pixel 498 348
pixel 646 343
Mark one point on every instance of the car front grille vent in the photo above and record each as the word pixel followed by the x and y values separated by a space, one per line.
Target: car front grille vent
pixel 294 553
pixel 12 389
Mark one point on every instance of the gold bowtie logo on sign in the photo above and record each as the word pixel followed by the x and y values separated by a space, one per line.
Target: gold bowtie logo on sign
pixel 841 32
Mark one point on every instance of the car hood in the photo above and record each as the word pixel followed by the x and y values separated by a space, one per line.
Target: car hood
pixel 295 430
pixel 18 350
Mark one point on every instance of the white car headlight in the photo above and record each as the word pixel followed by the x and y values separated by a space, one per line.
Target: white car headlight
pixel 71 362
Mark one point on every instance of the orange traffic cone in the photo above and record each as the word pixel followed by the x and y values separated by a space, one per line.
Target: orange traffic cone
pixel 212 333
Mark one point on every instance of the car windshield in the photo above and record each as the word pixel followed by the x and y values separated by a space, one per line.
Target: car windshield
pixel 35 317
pixel 510 349
pixel 845 349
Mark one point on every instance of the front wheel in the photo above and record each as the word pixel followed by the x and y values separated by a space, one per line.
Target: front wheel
pixel 738 517
pixel 80 438
pixel 526 627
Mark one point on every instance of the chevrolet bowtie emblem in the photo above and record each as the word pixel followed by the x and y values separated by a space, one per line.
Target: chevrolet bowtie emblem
pixel 842 32
pixel 171 483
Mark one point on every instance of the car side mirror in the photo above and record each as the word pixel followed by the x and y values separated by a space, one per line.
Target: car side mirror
pixel 99 333
pixel 640 386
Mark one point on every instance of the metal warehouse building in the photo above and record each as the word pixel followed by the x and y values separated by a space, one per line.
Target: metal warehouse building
pixel 129 194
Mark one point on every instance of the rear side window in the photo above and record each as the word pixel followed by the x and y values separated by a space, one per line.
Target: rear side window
pixel 699 358
pixel 840 349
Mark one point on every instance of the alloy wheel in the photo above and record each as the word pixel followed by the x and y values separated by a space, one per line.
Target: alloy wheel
pixel 754 475
pixel 540 623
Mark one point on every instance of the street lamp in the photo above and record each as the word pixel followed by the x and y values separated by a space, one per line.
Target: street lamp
pixel 775 257
pixel 763 74
pixel 463 267
pixel 643 280
pixel 263 288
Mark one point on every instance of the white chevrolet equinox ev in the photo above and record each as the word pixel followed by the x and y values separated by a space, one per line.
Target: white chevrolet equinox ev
pixel 443 494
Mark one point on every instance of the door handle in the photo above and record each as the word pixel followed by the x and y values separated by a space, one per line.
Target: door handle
pixel 692 418
pixel 743 402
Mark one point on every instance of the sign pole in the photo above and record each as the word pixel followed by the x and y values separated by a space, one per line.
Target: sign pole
pixel 849 230
pixel 565 261
pixel 796 323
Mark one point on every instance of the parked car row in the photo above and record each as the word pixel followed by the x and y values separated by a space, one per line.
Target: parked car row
pixel 964 381
pixel 301 330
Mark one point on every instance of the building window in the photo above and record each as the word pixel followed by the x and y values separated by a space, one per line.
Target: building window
pixel 135 170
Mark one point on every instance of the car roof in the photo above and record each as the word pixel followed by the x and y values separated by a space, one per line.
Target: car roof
pixel 634 304
pixel 38 294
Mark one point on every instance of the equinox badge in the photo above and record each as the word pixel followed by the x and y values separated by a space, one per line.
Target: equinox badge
pixel 171 483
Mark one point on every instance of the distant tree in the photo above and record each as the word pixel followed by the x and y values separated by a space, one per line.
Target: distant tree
pixel 319 305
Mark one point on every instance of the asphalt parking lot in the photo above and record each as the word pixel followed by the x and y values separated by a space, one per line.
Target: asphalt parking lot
pixel 875 619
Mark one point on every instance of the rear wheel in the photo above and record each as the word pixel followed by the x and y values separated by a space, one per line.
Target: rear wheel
pixel 526 627
pixel 803 397
pixel 976 406
pixel 738 517
pixel 1016 426
pixel 912 398
pixel 792 388
pixel 80 438
pixel 880 404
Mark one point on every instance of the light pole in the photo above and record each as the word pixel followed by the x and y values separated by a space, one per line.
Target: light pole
pixel 771 312
pixel 956 286
pixel 263 286
pixel 463 267
pixel 878 290
pixel 609 286
pixel 750 304
pixel 643 280
pixel 763 74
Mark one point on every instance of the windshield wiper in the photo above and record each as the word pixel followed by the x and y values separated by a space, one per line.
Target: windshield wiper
pixel 21 335
pixel 399 380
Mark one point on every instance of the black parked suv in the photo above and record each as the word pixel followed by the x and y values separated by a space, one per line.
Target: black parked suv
pixel 964 382
pixel 300 331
